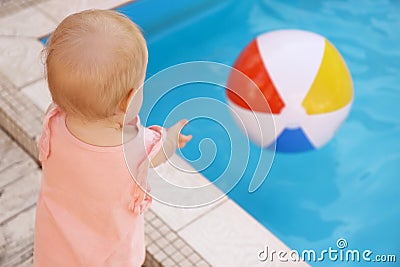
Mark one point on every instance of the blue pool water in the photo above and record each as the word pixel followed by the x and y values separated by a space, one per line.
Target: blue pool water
pixel 349 188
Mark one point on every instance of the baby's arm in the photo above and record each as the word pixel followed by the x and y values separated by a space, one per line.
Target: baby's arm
pixel 173 141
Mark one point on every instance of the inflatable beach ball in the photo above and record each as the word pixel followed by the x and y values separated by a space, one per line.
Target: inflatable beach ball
pixel 298 93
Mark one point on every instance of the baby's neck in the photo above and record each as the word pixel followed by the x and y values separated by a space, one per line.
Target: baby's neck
pixel 101 132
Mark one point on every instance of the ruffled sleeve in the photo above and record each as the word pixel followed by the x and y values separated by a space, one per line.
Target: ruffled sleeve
pixel 153 139
pixel 44 140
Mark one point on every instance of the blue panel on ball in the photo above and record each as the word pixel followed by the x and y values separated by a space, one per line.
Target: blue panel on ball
pixel 293 140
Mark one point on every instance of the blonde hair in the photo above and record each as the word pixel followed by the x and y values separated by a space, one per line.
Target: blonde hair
pixel 93 59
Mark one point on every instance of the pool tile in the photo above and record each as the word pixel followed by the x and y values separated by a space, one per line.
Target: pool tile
pixel 179 243
pixel 170 237
pixel 20 60
pixel 194 258
pixel 169 249
pixel 169 263
pixel 202 264
pixel 186 251
pixel 162 242
pixel 160 255
pixel 228 236
pixel 155 235
pixel 58 10
pixel 177 257
pixel 26 23
pixel 39 93
pixel 185 263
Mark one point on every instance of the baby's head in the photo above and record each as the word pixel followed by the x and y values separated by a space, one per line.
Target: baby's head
pixel 95 60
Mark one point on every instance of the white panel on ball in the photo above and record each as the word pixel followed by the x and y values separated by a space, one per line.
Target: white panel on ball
pixel 292 72
pixel 320 128
pixel 259 127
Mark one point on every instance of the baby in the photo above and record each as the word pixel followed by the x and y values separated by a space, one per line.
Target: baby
pixel 90 207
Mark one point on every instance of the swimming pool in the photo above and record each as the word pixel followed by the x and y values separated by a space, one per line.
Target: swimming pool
pixel 349 188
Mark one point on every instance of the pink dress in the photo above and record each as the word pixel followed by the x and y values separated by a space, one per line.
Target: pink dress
pixel 85 212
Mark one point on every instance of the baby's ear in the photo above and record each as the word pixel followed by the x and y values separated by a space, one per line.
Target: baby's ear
pixel 124 104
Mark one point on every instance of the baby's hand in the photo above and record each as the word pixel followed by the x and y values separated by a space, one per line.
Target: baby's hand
pixel 174 135
pixel 173 141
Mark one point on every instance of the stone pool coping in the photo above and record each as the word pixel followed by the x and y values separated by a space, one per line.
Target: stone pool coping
pixel 222 234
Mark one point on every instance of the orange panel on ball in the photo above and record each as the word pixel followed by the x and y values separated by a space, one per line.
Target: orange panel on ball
pixel 245 93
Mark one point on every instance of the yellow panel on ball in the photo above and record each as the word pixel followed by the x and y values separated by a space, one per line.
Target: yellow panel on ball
pixel 332 88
